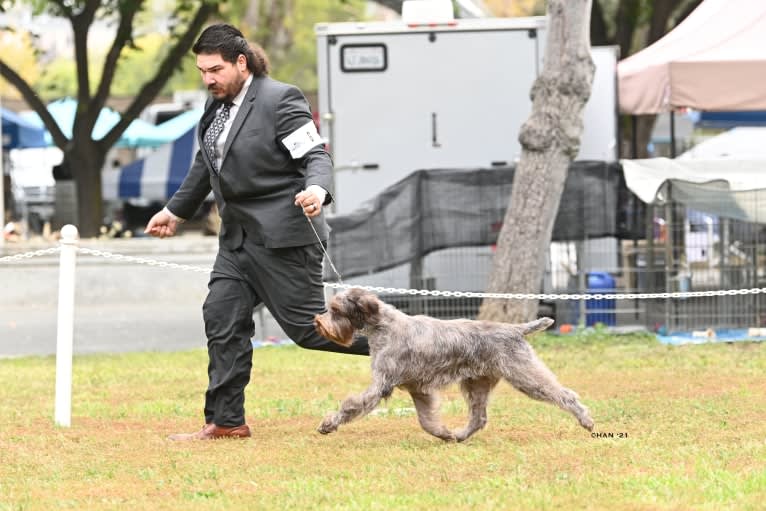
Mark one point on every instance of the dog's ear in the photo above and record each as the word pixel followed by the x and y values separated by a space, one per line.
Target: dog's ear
pixel 369 304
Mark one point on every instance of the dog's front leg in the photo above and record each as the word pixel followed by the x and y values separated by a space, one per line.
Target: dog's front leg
pixel 427 406
pixel 356 406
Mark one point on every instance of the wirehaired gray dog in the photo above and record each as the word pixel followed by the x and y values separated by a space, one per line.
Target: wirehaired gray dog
pixel 421 355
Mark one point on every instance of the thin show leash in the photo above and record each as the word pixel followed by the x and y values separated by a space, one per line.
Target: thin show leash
pixel 329 260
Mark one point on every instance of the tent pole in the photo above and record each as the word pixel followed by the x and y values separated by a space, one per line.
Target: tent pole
pixel 672 134
pixel 634 136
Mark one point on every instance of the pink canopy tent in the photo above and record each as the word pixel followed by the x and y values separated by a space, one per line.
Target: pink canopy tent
pixel 715 60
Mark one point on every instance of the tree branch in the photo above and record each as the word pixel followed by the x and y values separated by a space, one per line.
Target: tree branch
pixel 151 88
pixel 66 10
pixel 395 5
pixel 34 101
pixel 658 23
pixel 686 11
pixel 627 20
pixel 598 31
pixel 81 24
pixel 124 33
pixel 89 11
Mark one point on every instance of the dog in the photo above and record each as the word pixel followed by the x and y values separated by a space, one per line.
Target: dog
pixel 422 355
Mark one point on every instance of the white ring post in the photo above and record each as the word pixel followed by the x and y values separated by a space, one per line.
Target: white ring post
pixel 64 337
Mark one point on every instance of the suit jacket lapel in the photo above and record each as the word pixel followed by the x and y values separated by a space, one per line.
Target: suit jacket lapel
pixel 244 111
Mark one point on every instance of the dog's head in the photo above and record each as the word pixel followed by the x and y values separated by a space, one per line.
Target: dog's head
pixel 348 311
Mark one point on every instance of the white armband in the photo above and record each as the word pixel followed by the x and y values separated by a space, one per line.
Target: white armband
pixel 300 141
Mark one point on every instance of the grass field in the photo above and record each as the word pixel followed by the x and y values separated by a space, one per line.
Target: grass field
pixel 676 428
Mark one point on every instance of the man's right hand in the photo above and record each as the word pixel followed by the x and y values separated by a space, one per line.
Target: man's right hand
pixel 162 225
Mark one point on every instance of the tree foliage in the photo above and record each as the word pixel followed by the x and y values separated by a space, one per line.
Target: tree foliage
pixel 58 79
pixel 394 5
pixel 507 8
pixel 18 46
pixel 285 29
pixel 82 154
pixel 137 64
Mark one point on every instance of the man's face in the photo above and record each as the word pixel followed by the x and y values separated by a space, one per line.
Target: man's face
pixel 223 79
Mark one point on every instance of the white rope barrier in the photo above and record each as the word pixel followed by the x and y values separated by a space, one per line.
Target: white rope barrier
pixel 29 255
pixel 408 291
pixel 68 254
pixel 143 260
pixel 551 296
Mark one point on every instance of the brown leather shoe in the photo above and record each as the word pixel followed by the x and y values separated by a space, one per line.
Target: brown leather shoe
pixel 213 432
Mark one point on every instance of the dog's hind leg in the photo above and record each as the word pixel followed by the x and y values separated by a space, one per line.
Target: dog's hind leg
pixel 476 393
pixel 356 406
pixel 534 379
pixel 427 406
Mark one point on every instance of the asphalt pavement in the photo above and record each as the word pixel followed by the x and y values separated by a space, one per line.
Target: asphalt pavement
pixel 120 306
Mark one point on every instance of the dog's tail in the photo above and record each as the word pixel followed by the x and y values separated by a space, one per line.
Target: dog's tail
pixel 536 325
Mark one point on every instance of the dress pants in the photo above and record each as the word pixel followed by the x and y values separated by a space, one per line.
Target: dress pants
pixel 288 281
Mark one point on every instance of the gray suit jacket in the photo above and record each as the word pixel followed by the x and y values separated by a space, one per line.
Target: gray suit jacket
pixel 255 189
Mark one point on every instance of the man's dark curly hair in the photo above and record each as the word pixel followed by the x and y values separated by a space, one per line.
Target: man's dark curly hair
pixel 227 41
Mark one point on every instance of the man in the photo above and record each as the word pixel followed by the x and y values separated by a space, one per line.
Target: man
pixel 266 165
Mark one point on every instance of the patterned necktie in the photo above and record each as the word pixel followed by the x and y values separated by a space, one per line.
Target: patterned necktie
pixel 214 131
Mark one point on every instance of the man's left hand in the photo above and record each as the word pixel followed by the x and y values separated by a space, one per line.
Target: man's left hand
pixel 310 202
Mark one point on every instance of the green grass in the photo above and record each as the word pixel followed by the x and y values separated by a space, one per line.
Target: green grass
pixel 680 428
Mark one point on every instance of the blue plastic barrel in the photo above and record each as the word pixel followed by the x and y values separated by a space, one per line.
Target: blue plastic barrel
pixel 600 311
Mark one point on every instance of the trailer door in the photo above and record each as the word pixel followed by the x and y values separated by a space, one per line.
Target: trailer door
pixel 407 101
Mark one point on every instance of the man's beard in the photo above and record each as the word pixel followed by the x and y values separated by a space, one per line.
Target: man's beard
pixel 229 91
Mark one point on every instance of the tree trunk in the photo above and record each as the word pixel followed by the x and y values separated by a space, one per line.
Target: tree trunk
pixel 599 33
pixel 550 140
pixel 86 161
pixel 395 5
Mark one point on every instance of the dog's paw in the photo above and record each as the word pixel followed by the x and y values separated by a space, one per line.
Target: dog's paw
pixel 326 428
pixel 444 434
pixel 328 425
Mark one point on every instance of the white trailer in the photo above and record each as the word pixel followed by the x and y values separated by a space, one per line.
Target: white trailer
pixel 397 97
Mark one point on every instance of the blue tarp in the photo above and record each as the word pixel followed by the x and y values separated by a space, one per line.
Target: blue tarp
pixel 139 133
pixel 719 335
pixel 726 120
pixel 19 133
pixel 155 177
pixel 178 126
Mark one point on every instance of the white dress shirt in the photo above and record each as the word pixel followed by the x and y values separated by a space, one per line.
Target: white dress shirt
pixel 235 104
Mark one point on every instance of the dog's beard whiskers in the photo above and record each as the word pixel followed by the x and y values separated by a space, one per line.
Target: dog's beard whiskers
pixel 345 333
pixel 339 331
